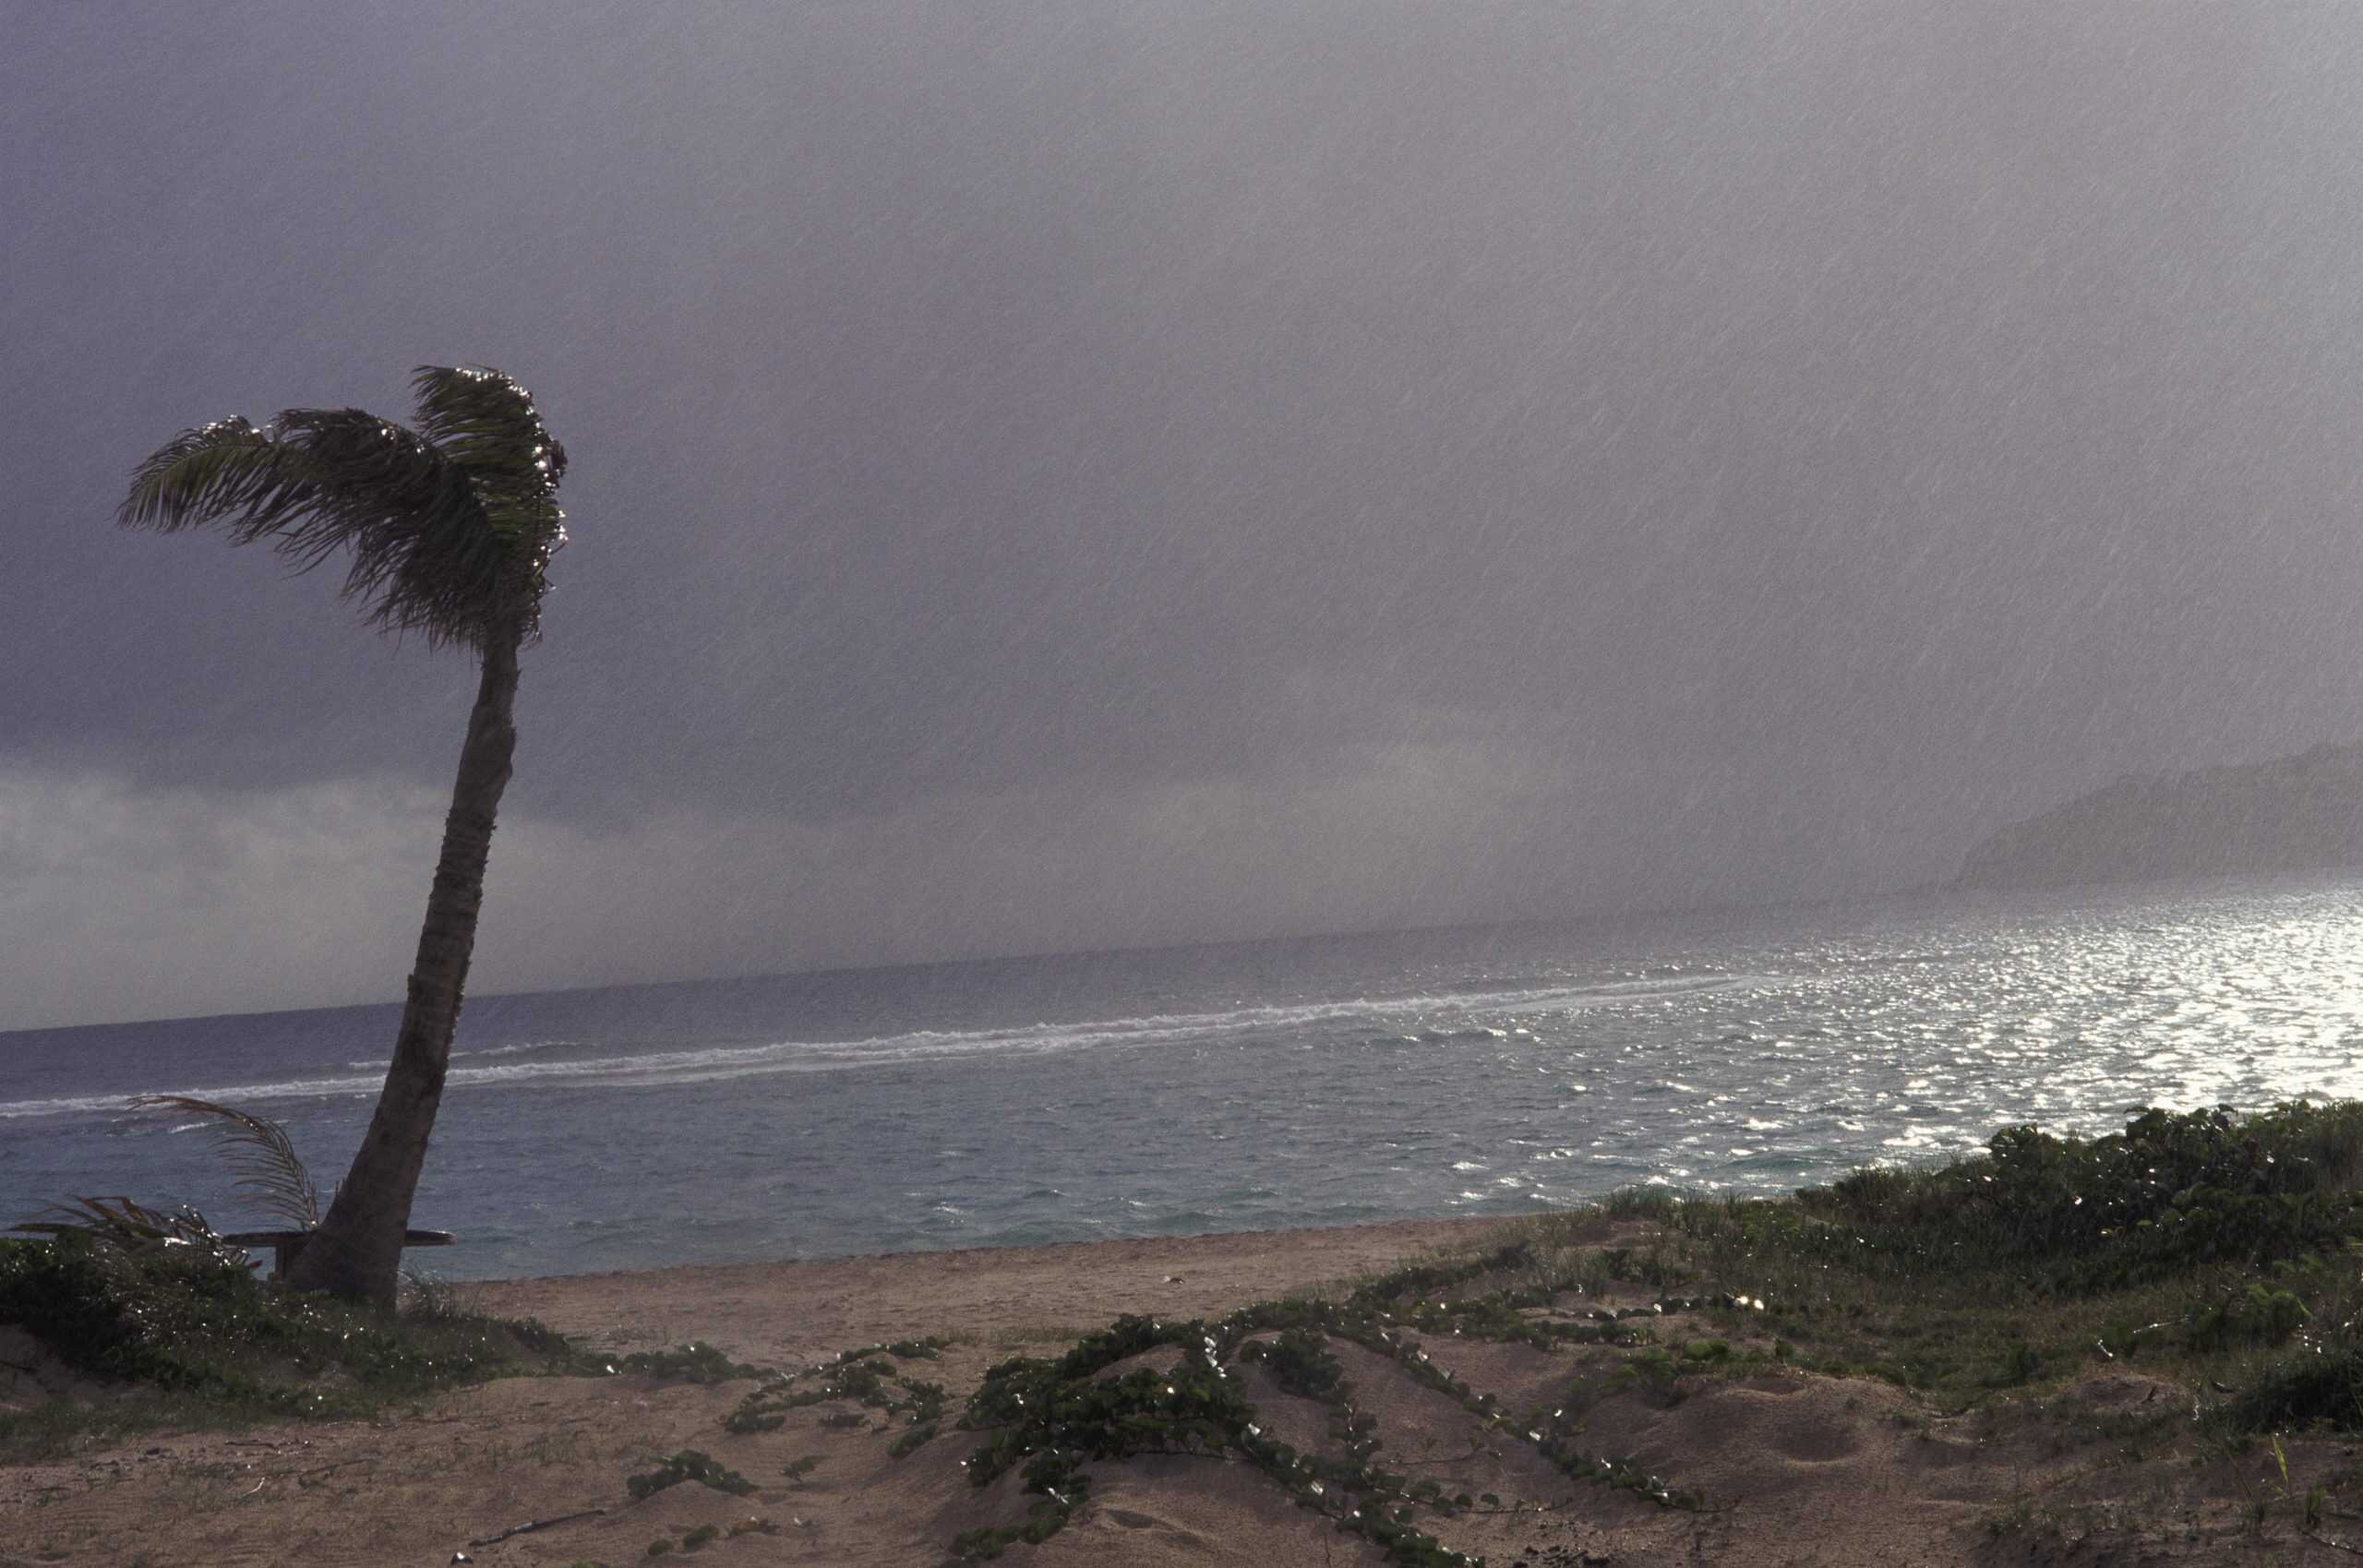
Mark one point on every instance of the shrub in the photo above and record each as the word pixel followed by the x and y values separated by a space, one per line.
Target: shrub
pixel 2090 1213
pixel 182 1313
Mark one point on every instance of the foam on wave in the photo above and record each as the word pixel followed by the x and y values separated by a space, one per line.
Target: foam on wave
pixel 712 1063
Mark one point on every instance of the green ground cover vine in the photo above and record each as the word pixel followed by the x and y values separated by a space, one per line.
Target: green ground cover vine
pixel 1049 1419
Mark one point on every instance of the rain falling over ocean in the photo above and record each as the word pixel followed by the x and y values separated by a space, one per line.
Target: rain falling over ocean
pixel 1624 498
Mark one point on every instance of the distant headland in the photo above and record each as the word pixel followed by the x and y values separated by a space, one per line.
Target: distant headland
pixel 2300 813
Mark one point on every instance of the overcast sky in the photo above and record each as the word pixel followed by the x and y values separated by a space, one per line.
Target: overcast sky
pixel 1059 473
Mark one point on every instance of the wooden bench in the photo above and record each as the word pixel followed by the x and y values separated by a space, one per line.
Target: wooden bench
pixel 285 1244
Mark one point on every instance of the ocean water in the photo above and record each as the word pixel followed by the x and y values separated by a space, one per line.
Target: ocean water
pixel 1483 1071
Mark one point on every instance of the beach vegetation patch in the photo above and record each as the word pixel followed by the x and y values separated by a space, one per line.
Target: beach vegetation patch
pixel 159 1302
pixel 2220 1248
pixel 865 1378
pixel 2080 1214
pixel 1049 1419
pixel 696 1362
pixel 688 1464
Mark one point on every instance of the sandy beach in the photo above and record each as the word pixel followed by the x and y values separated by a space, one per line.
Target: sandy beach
pixel 1798 1469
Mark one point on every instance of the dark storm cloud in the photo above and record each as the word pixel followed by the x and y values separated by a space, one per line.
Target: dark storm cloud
pixel 1049 474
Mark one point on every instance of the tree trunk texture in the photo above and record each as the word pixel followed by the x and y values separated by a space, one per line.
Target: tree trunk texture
pixel 356 1251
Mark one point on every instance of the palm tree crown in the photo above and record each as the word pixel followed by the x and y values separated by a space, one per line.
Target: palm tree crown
pixel 450 527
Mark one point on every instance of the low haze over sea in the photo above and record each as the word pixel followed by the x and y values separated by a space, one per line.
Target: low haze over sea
pixel 1275 1083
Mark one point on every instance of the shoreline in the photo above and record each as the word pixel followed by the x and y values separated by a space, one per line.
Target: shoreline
pixel 879 1296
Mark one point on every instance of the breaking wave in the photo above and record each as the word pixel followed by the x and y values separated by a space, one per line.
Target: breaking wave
pixel 1344 1020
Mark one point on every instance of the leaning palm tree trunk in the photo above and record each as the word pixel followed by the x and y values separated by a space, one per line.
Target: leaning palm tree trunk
pixel 356 1251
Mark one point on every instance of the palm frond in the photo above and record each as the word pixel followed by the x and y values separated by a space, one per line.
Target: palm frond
pixel 214 471
pixel 448 532
pixel 124 1221
pixel 261 1149
pixel 118 1218
pixel 120 1231
pixel 485 424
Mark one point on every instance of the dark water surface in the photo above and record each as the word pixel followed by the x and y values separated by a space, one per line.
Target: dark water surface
pixel 1263 1085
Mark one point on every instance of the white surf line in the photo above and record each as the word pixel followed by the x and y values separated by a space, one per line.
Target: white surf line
pixel 712 1063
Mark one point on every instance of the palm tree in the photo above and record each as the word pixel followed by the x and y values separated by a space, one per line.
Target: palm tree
pixel 450 528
